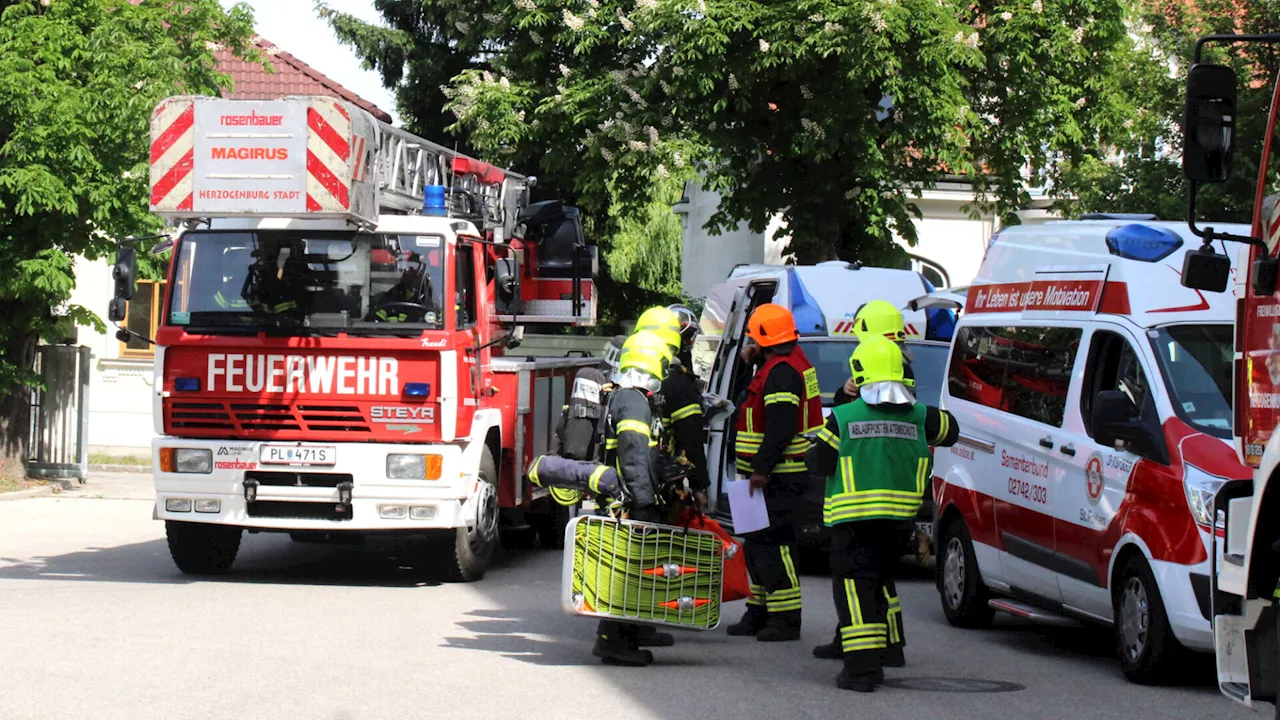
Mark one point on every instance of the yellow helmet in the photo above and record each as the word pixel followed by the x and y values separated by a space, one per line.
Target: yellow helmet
pixel 647 351
pixel 662 321
pixel 876 360
pixel 880 318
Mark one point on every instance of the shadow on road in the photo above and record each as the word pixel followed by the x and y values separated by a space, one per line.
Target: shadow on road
pixel 264 558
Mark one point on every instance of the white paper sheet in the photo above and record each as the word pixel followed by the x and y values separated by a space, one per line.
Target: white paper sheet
pixel 748 511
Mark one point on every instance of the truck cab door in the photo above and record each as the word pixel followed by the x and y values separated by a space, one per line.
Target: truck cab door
pixel 729 378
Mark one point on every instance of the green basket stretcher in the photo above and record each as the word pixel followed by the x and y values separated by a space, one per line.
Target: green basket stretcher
pixel 642 572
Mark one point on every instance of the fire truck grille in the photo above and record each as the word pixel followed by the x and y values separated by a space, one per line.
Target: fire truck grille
pixel 251 417
pixel 299 510
pixel 297 479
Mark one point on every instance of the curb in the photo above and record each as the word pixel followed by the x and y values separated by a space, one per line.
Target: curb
pixel 28 493
pixel 134 469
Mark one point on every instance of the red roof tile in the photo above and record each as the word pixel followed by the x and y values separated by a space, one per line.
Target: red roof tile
pixel 291 77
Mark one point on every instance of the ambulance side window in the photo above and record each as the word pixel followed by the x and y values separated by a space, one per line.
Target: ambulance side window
pixel 1113 365
pixel 1040 361
pixel 978 365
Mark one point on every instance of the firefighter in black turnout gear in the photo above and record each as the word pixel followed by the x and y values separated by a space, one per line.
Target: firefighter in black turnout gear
pixel 685 433
pixel 631 446
pixel 782 402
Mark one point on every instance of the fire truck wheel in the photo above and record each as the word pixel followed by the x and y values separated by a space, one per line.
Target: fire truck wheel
pixel 202 549
pixel 964 597
pixel 473 547
pixel 1145 644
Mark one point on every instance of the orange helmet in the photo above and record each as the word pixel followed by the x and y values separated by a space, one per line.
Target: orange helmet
pixel 771 325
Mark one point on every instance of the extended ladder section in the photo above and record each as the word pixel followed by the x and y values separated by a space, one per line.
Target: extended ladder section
pixel 319 158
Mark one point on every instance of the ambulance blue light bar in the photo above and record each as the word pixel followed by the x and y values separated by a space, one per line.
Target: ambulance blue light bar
pixel 810 320
pixel 1142 242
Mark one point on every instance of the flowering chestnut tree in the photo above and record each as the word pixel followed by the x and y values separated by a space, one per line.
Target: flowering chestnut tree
pixel 835 113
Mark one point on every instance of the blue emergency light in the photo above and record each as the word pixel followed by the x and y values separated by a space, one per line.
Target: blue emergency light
pixel 433 201
pixel 809 317
pixel 1142 242
pixel 417 390
pixel 186 384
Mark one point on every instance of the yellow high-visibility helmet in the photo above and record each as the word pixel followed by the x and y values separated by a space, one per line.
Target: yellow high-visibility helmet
pixel 662 321
pixel 647 351
pixel 880 318
pixel 876 359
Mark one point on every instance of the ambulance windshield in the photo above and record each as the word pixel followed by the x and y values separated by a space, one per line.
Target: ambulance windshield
pixel 1196 363
pixel 308 282
pixel 831 359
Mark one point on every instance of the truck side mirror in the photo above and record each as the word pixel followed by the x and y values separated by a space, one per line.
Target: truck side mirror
pixel 506 283
pixel 1266 272
pixel 1209 123
pixel 125 274
pixel 1204 269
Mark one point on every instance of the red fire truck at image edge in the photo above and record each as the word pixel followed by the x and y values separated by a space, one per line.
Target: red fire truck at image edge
pixel 1246 556
pixel 329 358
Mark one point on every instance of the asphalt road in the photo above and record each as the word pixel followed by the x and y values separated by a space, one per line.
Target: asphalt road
pixel 95 622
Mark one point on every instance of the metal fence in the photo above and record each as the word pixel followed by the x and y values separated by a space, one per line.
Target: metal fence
pixel 59 445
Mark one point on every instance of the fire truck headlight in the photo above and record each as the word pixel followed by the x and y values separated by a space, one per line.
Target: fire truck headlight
pixel 208 506
pixel 193 460
pixel 414 467
pixel 391 512
pixel 177 505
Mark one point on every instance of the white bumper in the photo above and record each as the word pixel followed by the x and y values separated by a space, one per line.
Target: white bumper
pixel 1181 605
pixel 452 497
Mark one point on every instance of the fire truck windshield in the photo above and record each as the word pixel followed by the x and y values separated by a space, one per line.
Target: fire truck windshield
pixel 1196 363
pixel 231 281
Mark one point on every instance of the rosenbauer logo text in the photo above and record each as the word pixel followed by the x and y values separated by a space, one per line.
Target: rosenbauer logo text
pixel 252 119
pixel 316 374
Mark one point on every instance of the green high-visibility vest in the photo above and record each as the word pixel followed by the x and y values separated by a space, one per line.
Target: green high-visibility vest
pixel 884 463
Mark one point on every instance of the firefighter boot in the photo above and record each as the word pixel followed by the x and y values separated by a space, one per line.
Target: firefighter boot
pixel 894 657
pixel 752 622
pixel 831 651
pixel 616 645
pixel 650 636
pixel 781 627
pixel 860 682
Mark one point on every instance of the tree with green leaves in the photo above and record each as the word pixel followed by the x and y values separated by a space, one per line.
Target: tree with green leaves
pixel 78 82
pixel 1136 165
pixel 833 113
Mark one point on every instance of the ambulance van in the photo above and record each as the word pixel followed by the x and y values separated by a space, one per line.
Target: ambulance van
pixel 1093 393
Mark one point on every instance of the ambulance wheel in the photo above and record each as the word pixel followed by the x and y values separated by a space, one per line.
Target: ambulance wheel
pixel 1145 644
pixel 964 597
pixel 472 547
pixel 200 548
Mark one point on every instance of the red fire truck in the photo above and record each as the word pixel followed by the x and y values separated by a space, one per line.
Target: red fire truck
pixel 330 359
pixel 1246 556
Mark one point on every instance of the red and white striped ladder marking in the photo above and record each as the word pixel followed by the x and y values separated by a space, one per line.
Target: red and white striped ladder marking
pixel 328 155
pixel 173 139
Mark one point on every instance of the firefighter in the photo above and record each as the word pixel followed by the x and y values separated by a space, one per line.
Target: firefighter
pixel 410 297
pixel 682 423
pixel 875 455
pixel 782 401
pixel 878 318
pixel 631 447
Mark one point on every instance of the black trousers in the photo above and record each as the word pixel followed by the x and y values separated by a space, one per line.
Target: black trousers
pixel 775 584
pixel 864 556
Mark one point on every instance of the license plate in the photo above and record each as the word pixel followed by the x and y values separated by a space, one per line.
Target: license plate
pixel 298 455
pixel 925 527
